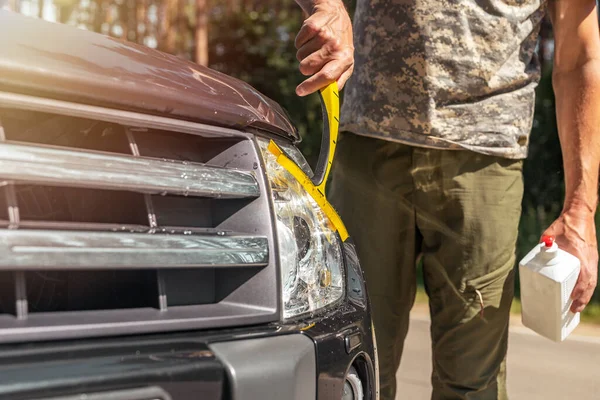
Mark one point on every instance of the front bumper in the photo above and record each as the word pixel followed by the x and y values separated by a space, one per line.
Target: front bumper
pixel 283 367
pixel 243 366
pixel 305 359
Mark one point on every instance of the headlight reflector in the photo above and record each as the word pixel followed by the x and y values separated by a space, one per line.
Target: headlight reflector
pixel 310 252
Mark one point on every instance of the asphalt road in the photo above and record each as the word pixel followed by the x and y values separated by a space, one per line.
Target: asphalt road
pixel 538 369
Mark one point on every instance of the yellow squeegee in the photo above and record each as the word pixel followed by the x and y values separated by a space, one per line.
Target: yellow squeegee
pixel 330 103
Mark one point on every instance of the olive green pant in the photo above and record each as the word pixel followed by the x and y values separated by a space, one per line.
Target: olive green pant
pixel 460 211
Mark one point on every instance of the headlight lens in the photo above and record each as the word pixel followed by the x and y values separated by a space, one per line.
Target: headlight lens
pixel 310 252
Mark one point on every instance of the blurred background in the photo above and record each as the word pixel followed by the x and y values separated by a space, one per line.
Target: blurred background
pixel 254 40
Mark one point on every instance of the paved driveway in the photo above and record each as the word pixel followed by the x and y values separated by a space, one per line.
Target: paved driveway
pixel 537 368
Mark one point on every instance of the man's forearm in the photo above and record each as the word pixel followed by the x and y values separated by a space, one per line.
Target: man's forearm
pixel 578 115
pixel 576 82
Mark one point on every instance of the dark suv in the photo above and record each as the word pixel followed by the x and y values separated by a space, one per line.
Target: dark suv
pixel 151 246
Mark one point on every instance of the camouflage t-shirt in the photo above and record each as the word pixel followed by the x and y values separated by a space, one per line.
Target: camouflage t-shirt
pixel 455 74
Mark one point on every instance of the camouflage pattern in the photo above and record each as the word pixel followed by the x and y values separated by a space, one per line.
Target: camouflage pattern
pixel 454 74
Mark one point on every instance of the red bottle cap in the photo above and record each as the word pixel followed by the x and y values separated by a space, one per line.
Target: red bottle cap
pixel 548 240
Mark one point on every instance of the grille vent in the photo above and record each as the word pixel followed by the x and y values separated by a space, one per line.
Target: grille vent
pixel 109 229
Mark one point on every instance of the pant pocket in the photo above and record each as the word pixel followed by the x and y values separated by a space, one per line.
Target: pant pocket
pixel 489 291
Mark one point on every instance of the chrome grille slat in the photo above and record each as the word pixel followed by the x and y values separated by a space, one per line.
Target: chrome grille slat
pixel 81 226
pixel 81 250
pixel 54 166
pixel 70 326
pixel 82 260
pixel 125 228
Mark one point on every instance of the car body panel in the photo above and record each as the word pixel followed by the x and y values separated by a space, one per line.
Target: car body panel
pixel 57 61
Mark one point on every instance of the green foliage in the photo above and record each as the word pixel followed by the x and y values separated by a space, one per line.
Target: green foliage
pixel 257 46
pixel 543 172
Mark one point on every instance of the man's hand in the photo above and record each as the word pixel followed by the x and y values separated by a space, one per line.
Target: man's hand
pixel 576 81
pixel 576 234
pixel 325 47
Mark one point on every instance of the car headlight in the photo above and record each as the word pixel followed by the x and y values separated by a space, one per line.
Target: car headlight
pixel 310 252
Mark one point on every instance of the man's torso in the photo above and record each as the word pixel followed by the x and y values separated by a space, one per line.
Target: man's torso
pixel 457 74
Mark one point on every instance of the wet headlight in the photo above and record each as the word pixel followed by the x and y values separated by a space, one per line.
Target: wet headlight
pixel 310 252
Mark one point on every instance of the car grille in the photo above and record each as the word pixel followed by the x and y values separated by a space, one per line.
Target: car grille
pixel 110 229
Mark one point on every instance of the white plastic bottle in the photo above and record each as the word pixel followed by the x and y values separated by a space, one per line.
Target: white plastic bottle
pixel 548 276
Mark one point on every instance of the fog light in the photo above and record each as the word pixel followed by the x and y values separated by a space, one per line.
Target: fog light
pixel 353 388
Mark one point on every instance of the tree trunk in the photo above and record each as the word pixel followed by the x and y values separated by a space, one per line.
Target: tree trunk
pixel 235 6
pixel 99 17
pixel 142 28
pixel 65 10
pixel 183 30
pixel 14 5
pixel 124 19
pixel 132 21
pixel 168 31
pixel 201 36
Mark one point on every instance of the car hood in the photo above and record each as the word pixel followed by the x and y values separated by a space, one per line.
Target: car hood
pixel 66 63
